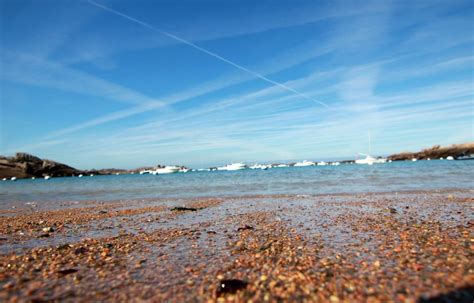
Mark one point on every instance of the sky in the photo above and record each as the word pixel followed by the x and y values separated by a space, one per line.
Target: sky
pixel 124 84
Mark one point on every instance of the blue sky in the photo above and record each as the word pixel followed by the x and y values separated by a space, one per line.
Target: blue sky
pixel 133 83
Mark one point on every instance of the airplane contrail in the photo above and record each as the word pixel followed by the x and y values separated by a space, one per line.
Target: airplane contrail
pixel 208 52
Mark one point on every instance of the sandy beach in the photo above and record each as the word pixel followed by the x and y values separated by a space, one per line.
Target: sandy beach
pixel 385 247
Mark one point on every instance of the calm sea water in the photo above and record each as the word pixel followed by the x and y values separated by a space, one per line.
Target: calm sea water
pixel 346 178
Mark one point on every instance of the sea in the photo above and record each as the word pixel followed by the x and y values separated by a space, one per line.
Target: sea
pixel 401 176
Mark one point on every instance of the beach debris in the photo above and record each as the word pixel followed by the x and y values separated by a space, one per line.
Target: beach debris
pixel 183 208
pixel 48 229
pixel 246 227
pixel 230 286
pixel 66 271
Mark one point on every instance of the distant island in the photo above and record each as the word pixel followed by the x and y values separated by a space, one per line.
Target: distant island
pixel 24 165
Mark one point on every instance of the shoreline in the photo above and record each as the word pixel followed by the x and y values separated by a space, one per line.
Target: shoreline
pixel 27 166
pixel 337 248
pixel 16 207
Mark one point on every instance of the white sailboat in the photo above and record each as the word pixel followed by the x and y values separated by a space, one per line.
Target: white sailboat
pixel 369 160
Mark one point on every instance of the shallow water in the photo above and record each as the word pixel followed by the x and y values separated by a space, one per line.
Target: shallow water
pixel 346 178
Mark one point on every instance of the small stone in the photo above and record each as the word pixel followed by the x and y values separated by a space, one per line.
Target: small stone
pixel 48 229
pixel 183 208
pixel 66 271
pixel 246 227
pixel 8 285
pixel 230 286
pixel 80 250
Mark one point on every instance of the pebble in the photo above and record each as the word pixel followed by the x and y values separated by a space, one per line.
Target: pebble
pixel 230 286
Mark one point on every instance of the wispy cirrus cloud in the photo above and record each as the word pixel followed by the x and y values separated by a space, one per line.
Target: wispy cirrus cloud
pixel 35 71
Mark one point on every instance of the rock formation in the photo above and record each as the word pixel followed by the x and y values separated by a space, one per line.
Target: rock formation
pixel 24 165
pixel 436 152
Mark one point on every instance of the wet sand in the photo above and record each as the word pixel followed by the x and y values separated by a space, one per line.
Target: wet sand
pixel 410 247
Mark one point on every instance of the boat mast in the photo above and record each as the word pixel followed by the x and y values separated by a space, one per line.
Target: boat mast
pixel 370 145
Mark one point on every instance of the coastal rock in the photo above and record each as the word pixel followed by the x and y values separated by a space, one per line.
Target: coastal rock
pixel 437 152
pixel 24 165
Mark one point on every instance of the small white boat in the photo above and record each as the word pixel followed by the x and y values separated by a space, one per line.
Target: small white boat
pixel 184 170
pixel 449 158
pixel 441 158
pixel 322 163
pixel 92 175
pixel 80 176
pixel 304 163
pixel 335 163
pixel 166 170
pixel 260 166
pixel 465 156
pixel 233 166
pixel 145 172
pixel 13 178
pixel 47 177
pixel 428 159
pixel 32 178
pixel 282 165
pixel 4 179
pixel 414 159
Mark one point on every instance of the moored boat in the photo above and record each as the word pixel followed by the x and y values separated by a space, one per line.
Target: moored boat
pixel 233 166
pixel 304 163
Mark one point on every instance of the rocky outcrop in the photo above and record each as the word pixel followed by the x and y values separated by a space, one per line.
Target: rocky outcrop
pixel 24 165
pixel 437 152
